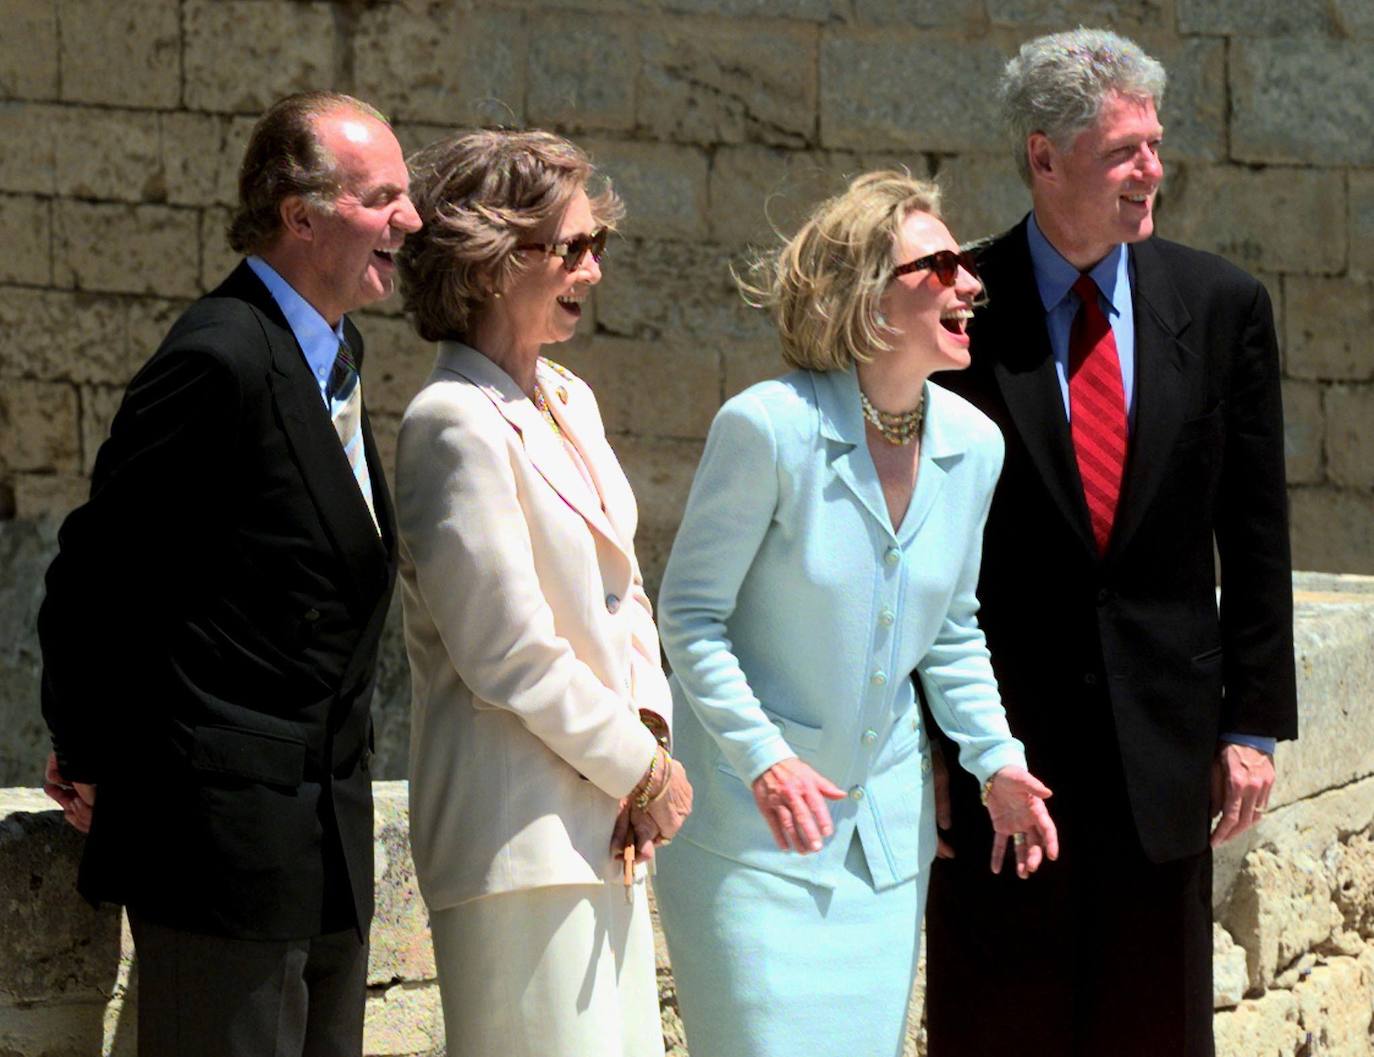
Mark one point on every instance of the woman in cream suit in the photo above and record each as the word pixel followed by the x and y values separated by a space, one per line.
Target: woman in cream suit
pixel 828 554
pixel 540 711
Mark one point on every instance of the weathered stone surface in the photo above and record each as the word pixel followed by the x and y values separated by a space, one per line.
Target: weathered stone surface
pixel 983 194
pixel 400 944
pixel 26 234
pixel 27 162
pixel 61 336
pixel 217 260
pixel 811 10
pixel 41 420
pixel 1053 15
pixel 1230 978
pixel 125 249
pixel 1257 18
pixel 125 54
pixel 1353 893
pixel 867 100
pixel 1334 1005
pixel 1306 100
pixel 26 548
pixel 398 362
pixel 64 1030
pixel 404 1020
pixel 1329 321
pixel 1362 223
pixel 201 155
pixel 747 362
pixel 48 495
pixel 109 154
pixel 98 407
pixel 149 320
pixel 918 12
pixel 1265 1027
pixel 1333 529
pixel 581 76
pixel 1349 439
pixel 1194 111
pixel 707 82
pixel 1310 203
pixel 437 62
pixel 663 185
pixel 28 49
pixel 652 388
pixel 660 471
pixel 1304 430
pixel 278 48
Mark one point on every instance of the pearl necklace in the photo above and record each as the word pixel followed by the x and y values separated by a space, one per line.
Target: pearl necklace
pixel 896 427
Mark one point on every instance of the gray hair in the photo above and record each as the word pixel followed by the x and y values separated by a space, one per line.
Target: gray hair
pixel 1056 85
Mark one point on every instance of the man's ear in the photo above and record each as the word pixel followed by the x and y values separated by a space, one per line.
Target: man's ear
pixel 1041 155
pixel 297 218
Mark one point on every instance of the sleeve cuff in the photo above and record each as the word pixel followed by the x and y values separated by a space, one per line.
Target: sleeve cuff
pixel 1254 741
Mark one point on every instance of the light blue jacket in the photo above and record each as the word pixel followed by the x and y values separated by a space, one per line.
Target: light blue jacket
pixel 794 617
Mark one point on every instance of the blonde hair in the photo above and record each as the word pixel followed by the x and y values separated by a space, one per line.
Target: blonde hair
pixel 480 195
pixel 823 285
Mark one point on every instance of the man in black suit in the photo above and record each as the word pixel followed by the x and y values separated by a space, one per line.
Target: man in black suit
pixel 1137 385
pixel 212 618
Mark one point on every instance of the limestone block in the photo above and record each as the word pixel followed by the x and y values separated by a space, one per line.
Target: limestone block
pixel 61 336
pixel 27 162
pixel 1265 1027
pixel 918 12
pixel 397 363
pixel 53 945
pixel 149 321
pixel 126 248
pixel 1354 18
pixel 404 1021
pixel 1280 908
pixel 984 194
pixel 1194 111
pixel 1354 889
pixel 1349 439
pixel 581 76
pixel 48 495
pixel 111 154
pixel 678 289
pixel 1053 15
pixel 391 701
pixel 1311 238
pixel 98 406
pixel 1362 223
pixel 1334 1006
pixel 1329 321
pixel 400 950
pixel 28 49
pixel 674 1036
pixel 1230 978
pixel 867 99
pixel 663 185
pixel 217 260
pixel 1333 529
pixel 1303 431
pixel 65 1030
pixel 385 429
pixel 242 55
pixel 660 471
pixel 798 10
pixel 1255 18
pixel 747 362
pixel 413 136
pixel 39 422
pixel 742 82
pixel 658 388
pixel 125 54
pixel 26 548
pixel 439 63
pixel 201 155
pixel 26 234
pixel 1306 100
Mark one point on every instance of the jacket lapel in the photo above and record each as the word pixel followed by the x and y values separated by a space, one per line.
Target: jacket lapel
pixel 842 424
pixel 1011 331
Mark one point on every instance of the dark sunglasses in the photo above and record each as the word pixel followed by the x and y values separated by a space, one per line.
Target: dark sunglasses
pixel 945 265
pixel 573 250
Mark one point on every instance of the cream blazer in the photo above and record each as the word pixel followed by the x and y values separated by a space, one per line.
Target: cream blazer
pixel 531 640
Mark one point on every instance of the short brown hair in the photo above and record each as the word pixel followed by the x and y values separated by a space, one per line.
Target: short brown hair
pixel 824 283
pixel 285 158
pixel 480 194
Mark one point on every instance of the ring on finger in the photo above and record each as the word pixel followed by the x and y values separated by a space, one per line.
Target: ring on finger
pixel 1019 839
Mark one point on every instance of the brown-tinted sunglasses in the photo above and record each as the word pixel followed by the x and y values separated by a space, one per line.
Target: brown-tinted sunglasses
pixel 573 250
pixel 945 265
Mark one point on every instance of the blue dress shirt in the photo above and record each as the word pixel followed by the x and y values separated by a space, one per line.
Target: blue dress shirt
pixel 317 339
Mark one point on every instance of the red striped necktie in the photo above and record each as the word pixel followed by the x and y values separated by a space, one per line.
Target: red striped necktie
pixel 1097 410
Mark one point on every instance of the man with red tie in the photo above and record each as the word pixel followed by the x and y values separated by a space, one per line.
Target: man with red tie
pixel 1136 382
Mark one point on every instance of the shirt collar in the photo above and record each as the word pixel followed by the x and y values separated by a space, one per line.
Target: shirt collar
pixel 1054 276
pixel 317 339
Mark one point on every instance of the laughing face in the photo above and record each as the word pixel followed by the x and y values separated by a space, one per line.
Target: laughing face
pixel 926 319
pixel 1101 191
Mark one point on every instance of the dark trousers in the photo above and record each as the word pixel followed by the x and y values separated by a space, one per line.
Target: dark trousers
pixel 213 996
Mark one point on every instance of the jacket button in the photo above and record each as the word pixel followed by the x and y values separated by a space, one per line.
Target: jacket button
pixel 312 615
pixel 886 618
pixel 925 764
pixel 857 793
pixel 612 603
pixel 869 737
pixel 879 679
pixel 893 556
pixel 1090 679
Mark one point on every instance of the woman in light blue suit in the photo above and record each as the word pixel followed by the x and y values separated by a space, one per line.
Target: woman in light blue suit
pixel 829 553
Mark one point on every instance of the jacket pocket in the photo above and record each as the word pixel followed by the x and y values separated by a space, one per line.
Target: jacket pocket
pixel 251 754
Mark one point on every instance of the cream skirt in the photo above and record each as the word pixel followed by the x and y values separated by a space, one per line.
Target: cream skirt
pixel 560 971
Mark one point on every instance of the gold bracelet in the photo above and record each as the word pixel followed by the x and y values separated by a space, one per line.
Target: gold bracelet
pixel 986 791
pixel 642 797
pixel 667 778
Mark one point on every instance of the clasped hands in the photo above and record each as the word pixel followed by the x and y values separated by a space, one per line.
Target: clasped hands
pixel 667 807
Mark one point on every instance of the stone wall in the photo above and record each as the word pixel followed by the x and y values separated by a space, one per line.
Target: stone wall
pixel 122 123
pixel 1294 898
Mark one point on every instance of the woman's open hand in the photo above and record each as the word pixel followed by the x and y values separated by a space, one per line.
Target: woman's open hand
pixel 791 796
pixel 1016 805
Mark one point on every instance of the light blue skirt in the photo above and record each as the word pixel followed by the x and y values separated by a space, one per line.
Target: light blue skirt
pixel 766 966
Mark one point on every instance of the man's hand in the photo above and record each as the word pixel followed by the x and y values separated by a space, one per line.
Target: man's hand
pixel 1241 780
pixel 77 799
pixel 944 816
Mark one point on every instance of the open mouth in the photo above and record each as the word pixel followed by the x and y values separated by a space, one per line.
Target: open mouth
pixel 955 321
pixel 571 305
pixel 1142 199
pixel 385 256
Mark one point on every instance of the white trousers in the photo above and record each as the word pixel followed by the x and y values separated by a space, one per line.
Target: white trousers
pixel 560 971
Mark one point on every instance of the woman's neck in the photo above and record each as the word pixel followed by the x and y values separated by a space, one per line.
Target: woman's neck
pixel 891 386
pixel 495 339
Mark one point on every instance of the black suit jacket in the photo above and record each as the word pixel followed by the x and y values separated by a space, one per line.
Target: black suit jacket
pixel 1137 631
pixel 210 636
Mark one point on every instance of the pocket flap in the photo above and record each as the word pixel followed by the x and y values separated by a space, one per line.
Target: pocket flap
pixel 252 754
pixel 797 734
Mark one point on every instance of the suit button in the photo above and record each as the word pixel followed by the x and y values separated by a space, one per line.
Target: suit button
pixel 869 737
pixel 879 679
pixel 893 556
pixel 1103 596
pixel 886 618
pixel 925 764
pixel 857 793
pixel 312 615
pixel 612 603
pixel 1090 679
